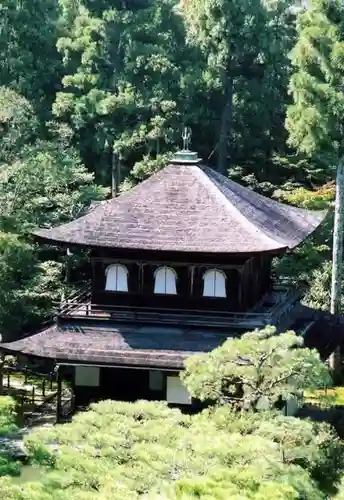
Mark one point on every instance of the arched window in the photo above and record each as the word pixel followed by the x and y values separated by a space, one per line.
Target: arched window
pixel 165 281
pixel 116 278
pixel 214 283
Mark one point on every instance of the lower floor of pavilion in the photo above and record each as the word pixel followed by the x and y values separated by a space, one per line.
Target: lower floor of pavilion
pixel 94 383
pixel 133 361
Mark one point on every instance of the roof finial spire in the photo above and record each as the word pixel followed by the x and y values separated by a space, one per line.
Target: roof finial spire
pixel 187 133
pixel 186 157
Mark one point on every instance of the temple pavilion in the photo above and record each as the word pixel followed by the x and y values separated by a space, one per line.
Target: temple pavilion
pixel 179 263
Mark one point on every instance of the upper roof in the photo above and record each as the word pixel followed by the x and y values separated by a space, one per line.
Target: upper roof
pixel 188 207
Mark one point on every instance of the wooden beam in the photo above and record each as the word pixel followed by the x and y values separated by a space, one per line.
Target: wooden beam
pixel 110 260
pixel 58 396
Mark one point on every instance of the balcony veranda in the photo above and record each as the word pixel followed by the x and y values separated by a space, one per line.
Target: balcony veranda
pixel 273 309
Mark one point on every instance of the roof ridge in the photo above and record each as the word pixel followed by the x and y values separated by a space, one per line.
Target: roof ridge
pixel 217 191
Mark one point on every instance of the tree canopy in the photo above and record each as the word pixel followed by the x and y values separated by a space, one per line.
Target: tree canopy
pixel 264 365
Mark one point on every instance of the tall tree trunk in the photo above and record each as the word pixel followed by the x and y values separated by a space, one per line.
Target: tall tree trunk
pixel 337 261
pixel 226 126
pixel 115 175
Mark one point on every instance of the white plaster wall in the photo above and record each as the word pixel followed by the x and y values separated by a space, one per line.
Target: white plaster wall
pixel 87 376
pixel 177 393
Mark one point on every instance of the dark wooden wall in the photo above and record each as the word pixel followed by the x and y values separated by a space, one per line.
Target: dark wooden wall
pixel 122 384
pixel 255 281
pixel 247 281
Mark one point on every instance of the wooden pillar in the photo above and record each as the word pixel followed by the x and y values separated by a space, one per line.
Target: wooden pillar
pixel 192 280
pixel 58 396
pixel 240 278
pixel 2 365
pixel 21 413
pixel 142 283
pixel 140 287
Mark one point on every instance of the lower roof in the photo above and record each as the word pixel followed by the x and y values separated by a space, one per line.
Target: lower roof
pixel 321 330
pixel 152 346
pixel 117 344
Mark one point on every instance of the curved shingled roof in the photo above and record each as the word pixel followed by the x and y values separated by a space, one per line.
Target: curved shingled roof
pixel 162 346
pixel 189 208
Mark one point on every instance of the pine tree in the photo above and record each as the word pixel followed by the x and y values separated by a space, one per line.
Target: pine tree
pixel 123 83
pixel 246 43
pixel 315 120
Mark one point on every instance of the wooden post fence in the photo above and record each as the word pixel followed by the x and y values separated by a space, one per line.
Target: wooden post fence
pixel 58 396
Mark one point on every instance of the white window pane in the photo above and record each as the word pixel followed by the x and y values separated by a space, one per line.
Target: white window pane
pixel 165 281
pixel 214 284
pixel 117 278
pixel 220 285
pixel 122 279
pixel 209 285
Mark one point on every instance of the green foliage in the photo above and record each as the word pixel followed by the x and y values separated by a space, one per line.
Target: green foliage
pixel 7 415
pixel 131 74
pixel 311 200
pixel 122 80
pixel 7 427
pixel 246 45
pixel 18 123
pixel 150 451
pixel 310 263
pixel 264 365
pixel 42 183
pixel 28 55
pixel 314 120
pixel 24 292
pixel 146 450
pixel 47 185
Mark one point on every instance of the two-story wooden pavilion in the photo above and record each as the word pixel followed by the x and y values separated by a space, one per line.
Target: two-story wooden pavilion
pixel 180 263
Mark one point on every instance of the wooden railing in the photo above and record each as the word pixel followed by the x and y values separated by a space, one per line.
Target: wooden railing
pixel 75 299
pixel 67 406
pixel 44 382
pixel 80 306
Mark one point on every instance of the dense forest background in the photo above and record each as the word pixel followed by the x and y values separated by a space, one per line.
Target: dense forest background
pixel 83 82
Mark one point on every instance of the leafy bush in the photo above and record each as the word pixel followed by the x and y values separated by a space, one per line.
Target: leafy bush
pixel 147 450
pixel 7 427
